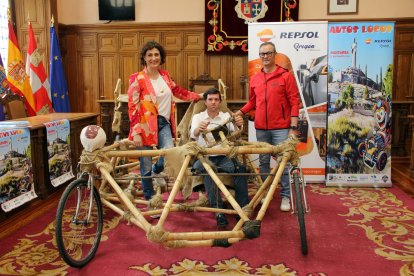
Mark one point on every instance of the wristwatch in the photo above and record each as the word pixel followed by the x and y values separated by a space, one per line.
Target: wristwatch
pixel 293 127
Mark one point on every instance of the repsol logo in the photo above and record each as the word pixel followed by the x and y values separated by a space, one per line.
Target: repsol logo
pixel 299 46
pixel 299 35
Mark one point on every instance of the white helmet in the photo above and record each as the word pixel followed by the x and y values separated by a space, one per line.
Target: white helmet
pixel 92 137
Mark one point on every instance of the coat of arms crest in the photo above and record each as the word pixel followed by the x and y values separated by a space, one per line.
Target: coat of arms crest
pixel 251 10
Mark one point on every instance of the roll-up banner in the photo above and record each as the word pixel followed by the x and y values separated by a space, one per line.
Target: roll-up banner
pixel 359 103
pixel 301 48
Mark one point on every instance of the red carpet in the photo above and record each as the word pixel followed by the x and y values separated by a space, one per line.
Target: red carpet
pixel 350 232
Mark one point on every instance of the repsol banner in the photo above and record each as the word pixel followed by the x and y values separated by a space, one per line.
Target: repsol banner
pixel 359 106
pixel 302 49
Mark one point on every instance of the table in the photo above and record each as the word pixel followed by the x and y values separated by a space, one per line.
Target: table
pixel 38 142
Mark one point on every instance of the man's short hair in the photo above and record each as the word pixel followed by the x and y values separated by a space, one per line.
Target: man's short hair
pixel 268 43
pixel 211 91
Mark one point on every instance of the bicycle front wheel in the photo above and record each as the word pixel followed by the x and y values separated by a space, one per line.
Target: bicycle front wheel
pixel 300 212
pixel 78 223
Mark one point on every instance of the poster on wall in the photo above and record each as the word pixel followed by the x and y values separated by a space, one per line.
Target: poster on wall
pixel 59 154
pixel 359 106
pixel 16 177
pixel 302 49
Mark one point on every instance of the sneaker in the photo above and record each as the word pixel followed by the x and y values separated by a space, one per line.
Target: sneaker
pixel 221 220
pixel 155 216
pixel 159 179
pixel 285 205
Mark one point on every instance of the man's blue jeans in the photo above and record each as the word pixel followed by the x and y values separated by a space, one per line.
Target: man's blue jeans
pixel 165 140
pixel 224 165
pixel 273 137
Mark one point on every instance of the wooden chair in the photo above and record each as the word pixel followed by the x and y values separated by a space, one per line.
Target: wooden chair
pixel 202 83
pixel 14 105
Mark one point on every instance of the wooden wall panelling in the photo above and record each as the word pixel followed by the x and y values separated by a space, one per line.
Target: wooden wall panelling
pixel 404 62
pixel 238 69
pixel 128 64
pixel 40 13
pixel 193 65
pixel 144 37
pixel 128 42
pixel 174 66
pixel 172 41
pixel 108 74
pixel 129 60
pixel 193 41
pixel 108 42
pixel 87 42
pixel 69 57
pixel 87 80
pixel 403 87
pixel 403 75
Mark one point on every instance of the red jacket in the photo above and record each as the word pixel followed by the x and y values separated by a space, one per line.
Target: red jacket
pixel 275 96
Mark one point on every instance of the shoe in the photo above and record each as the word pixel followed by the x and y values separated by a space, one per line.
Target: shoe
pixel 159 179
pixel 155 216
pixel 285 205
pixel 221 220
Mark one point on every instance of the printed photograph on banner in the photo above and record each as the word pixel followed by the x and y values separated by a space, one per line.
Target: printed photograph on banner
pixel 58 147
pixel 16 177
pixel 359 105
pixel 302 50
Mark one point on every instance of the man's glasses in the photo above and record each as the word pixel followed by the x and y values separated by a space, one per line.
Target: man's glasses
pixel 269 54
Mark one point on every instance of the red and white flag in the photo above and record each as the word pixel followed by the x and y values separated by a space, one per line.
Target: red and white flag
pixel 38 77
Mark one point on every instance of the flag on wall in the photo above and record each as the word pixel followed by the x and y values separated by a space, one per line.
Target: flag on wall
pixel 3 86
pixel 16 75
pixel 58 87
pixel 37 76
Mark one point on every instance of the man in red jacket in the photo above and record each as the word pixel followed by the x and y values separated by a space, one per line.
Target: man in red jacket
pixel 275 96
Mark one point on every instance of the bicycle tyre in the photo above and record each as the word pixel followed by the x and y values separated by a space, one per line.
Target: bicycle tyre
pixel 300 214
pixel 78 241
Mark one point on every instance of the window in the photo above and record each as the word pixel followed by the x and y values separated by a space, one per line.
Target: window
pixel 4 31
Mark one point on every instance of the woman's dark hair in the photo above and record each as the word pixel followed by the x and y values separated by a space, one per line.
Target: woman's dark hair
pixel 211 91
pixel 149 46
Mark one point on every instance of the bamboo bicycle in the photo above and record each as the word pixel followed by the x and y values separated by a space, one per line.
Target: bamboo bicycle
pixel 79 218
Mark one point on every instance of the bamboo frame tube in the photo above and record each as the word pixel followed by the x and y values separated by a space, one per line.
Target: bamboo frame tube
pixel 183 244
pixel 116 198
pixel 272 189
pixel 127 165
pixel 125 200
pixel 259 194
pixel 222 188
pixel 174 191
pixel 176 207
pixel 193 236
pixel 208 151
pixel 120 212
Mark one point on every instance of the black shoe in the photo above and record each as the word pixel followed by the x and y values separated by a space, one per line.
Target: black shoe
pixel 221 220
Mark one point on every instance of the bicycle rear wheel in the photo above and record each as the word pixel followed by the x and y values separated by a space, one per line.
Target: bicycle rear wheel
pixel 78 231
pixel 300 212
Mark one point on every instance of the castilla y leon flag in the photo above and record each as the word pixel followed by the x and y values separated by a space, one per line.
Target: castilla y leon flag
pixel 38 78
pixel 16 75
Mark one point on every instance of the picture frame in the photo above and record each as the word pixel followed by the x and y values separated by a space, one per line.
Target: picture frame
pixel 343 6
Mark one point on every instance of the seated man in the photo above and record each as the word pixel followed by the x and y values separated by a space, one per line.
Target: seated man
pixel 210 119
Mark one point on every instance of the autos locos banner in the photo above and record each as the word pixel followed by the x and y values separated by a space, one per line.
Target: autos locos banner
pixel 16 176
pixel 359 106
pixel 58 147
pixel 302 48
